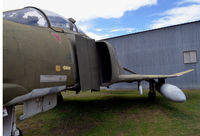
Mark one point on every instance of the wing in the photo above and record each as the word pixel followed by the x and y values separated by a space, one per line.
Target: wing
pixel 136 77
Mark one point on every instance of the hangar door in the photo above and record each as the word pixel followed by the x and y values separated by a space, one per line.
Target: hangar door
pixel 88 63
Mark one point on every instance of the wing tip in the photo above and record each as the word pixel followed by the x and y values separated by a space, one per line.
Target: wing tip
pixel 184 72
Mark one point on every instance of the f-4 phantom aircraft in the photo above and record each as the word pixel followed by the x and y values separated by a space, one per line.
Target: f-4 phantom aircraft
pixel 45 53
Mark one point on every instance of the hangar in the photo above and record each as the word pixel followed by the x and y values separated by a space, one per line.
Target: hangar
pixel 161 51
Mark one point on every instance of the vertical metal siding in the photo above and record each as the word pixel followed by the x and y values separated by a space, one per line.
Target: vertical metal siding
pixel 160 51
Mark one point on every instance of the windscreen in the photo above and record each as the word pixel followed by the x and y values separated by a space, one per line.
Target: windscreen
pixel 28 16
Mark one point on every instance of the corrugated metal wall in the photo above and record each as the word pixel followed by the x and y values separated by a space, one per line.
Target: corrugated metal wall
pixel 160 51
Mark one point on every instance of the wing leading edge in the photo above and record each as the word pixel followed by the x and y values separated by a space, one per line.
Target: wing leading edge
pixel 136 77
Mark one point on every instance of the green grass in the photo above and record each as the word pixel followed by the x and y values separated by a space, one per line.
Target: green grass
pixel 116 113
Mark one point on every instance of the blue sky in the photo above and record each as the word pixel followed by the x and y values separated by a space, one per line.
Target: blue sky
pixel 108 18
pixel 145 18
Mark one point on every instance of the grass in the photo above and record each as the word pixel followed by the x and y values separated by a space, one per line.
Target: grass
pixel 116 113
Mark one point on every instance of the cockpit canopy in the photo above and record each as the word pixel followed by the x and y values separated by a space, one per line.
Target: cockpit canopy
pixel 28 16
pixel 41 18
pixel 57 20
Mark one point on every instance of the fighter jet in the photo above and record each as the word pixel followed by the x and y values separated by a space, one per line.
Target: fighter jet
pixel 45 53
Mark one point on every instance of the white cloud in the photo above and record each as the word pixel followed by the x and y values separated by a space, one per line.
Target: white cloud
pixel 86 27
pixel 187 1
pixel 178 15
pixel 102 33
pixel 128 30
pixel 98 29
pixel 82 9
pixel 97 36
pixel 115 30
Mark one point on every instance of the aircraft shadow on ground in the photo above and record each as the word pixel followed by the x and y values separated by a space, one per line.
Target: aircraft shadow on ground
pixel 116 104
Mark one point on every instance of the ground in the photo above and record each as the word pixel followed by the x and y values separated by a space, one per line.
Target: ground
pixel 116 113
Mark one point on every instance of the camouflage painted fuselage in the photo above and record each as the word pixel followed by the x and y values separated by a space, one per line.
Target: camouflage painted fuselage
pixel 29 52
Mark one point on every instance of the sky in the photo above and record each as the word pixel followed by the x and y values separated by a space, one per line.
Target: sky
pixel 102 19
